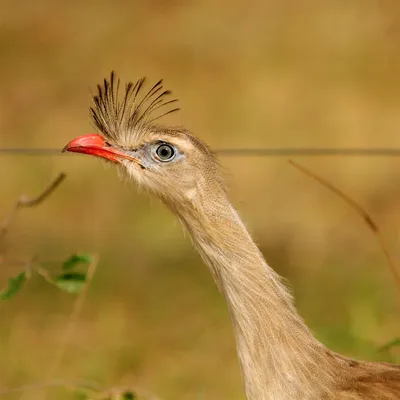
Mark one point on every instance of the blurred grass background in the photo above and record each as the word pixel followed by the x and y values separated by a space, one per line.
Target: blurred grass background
pixel 249 74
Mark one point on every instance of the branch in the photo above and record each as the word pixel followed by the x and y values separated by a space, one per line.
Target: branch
pixel 372 225
pixel 26 202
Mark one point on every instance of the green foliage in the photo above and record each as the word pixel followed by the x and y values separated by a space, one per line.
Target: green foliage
pixel 93 395
pixel 15 284
pixel 72 281
pixel 75 260
pixel 128 396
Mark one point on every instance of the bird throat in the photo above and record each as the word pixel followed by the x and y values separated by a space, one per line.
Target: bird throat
pixel 277 352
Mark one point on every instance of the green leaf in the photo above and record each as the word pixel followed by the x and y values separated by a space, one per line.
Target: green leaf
pixel 14 286
pixel 71 282
pixel 128 396
pixel 75 260
pixel 390 345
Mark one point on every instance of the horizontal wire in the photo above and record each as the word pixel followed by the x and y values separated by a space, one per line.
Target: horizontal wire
pixel 264 152
pixel 310 152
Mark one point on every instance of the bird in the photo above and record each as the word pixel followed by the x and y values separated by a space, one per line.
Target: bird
pixel 279 357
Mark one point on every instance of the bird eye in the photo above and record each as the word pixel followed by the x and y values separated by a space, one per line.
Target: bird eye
pixel 165 152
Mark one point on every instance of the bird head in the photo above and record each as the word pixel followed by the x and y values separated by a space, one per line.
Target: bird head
pixel 169 162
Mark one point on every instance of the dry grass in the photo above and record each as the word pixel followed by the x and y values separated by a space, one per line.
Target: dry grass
pixel 249 74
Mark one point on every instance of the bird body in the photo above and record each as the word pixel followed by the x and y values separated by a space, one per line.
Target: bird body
pixel 280 358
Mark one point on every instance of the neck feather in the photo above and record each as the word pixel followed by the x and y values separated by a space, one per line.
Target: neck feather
pixel 279 357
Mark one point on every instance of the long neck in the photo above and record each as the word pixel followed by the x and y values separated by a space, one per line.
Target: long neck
pixel 279 357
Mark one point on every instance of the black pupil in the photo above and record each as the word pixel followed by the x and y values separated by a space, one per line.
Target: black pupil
pixel 165 152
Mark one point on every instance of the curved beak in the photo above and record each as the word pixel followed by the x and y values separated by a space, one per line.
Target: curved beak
pixel 95 145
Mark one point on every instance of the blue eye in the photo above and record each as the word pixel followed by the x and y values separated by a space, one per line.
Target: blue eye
pixel 165 152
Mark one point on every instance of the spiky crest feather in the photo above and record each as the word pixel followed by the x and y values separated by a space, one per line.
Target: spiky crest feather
pixel 132 115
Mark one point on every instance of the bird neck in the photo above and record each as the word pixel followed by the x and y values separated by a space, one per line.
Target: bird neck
pixel 279 356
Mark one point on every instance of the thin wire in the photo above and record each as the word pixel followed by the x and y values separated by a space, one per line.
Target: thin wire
pixel 306 151
pixel 29 152
pixel 265 152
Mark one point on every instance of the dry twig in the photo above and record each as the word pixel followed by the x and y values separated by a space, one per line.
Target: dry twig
pixel 372 225
pixel 26 202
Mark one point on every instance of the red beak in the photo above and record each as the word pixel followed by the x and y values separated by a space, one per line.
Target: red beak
pixel 95 145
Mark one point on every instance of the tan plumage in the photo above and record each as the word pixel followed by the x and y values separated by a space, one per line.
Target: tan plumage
pixel 279 357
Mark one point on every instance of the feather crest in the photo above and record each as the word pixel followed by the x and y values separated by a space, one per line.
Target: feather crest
pixel 128 118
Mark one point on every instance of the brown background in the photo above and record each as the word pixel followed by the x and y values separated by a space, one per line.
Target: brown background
pixel 248 74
